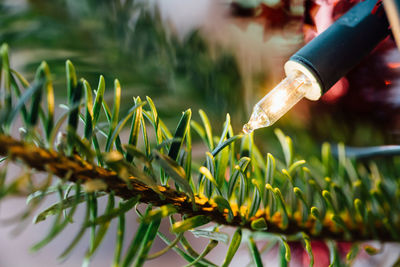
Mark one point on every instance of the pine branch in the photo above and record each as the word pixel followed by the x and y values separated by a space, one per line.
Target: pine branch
pixel 75 169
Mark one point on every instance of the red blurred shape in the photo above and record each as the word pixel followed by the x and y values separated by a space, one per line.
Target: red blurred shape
pixel 394 65
pixel 321 255
pixel 376 7
pixel 336 92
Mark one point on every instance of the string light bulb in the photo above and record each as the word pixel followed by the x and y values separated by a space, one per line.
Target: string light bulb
pixel 298 84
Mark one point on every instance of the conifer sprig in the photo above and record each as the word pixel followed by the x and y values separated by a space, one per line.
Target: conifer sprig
pixel 236 185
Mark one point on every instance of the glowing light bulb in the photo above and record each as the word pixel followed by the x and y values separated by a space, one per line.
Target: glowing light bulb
pixel 278 101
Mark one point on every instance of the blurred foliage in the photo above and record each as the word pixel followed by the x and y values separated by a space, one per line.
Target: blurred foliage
pixel 130 39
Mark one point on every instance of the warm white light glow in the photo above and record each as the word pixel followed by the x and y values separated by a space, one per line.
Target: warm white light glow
pixel 278 101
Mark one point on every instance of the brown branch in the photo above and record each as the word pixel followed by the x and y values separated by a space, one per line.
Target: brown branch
pixel 83 171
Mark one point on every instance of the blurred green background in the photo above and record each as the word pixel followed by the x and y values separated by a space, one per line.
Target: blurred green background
pixel 128 41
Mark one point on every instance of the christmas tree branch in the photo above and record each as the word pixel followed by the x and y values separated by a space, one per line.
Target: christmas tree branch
pixel 76 169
